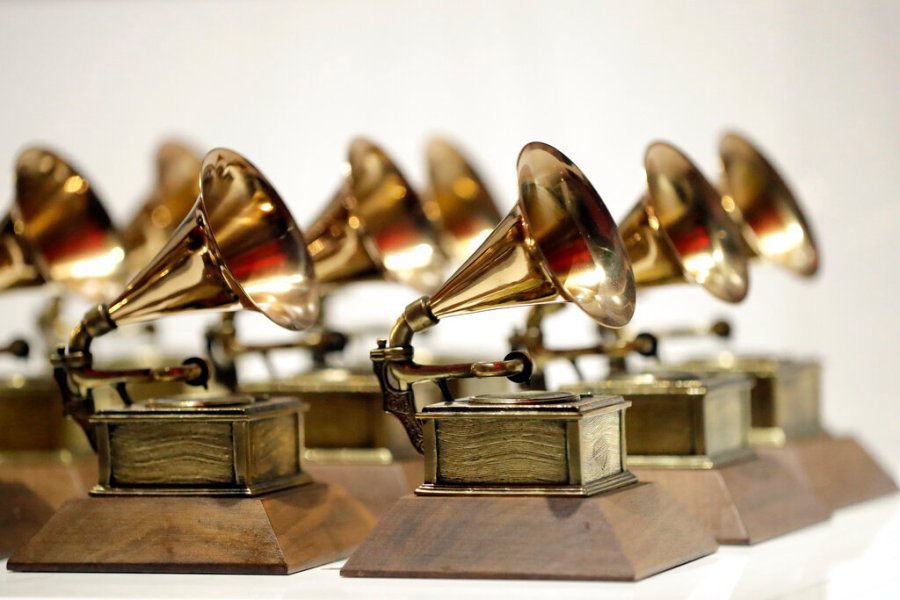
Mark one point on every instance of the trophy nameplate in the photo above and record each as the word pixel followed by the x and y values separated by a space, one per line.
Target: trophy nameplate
pixel 691 435
pixel 785 399
pixel 681 421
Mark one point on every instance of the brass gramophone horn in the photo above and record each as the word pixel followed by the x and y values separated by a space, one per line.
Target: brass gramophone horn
pixel 457 201
pixel 375 227
pixel 238 247
pixel 762 205
pixel 63 222
pixel 679 232
pixel 558 244
pixel 174 193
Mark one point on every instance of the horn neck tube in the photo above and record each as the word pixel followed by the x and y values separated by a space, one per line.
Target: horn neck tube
pixel 396 370
pixel 76 376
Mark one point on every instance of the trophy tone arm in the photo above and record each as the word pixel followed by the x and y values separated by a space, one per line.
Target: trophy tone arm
pixel 397 371
pixel 76 376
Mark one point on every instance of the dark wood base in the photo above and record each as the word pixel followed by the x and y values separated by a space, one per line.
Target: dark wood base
pixel 377 487
pixel 277 533
pixel 33 488
pixel 840 471
pixel 745 502
pixel 626 534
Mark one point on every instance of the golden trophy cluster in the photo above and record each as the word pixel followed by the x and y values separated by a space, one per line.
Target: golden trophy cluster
pixel 439 467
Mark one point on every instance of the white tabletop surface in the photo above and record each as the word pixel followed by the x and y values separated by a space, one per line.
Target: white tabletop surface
pixel 854 555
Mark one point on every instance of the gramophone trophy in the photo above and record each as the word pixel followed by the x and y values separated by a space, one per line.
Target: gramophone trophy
pixel 528 484
pixel 57 236
pixel 786 415
pixel 690 432
pixel 374 228
pixel 200 483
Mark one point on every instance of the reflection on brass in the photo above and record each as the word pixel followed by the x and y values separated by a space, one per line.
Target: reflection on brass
pixel 457 201
pixel 69 235
pixel 558 243
pixel 540 443
pixel 174 192
pixel 238 247
pixel 176 448
pixel 374 227
pixel 755 196
pixel 678 232
pixel 785 399
pixel 679 420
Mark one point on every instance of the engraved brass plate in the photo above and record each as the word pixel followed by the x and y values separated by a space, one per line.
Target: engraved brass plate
pixel 679 420
pixel 526 444
pixel 200 447
pixel 785 401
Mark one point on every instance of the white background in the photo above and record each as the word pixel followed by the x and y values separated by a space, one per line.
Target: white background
pixel 290 83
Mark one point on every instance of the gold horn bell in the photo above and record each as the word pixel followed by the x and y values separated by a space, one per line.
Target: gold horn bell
pixel 174 193
pixel 457 201
pixel 375 227
pixel 762 205
pixel 69 236
pixel 679 231
pixel 238 247
pixel 557 244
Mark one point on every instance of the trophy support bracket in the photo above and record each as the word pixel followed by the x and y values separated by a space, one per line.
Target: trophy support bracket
pixel 33 485
pixel 839 469
pixel 626 534
pixel 276 533
pixel 745 502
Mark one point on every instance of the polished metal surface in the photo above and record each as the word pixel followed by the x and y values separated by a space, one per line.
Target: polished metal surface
pixel 458 201
pixel 759 201
pixel 238 247
pixel 375 227
pixel 559 243
pixel 175 190
pixel 62 220
pixel 679 230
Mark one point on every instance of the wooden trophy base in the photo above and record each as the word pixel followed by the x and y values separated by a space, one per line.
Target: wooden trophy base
pixel 35 486
pixel 744 502
pixel 626 534
pixel 375 486
pixel 840 471
pixel 275 533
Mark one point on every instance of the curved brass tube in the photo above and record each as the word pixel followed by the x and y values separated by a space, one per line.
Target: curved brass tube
pixel 74 372
pixel 397 371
